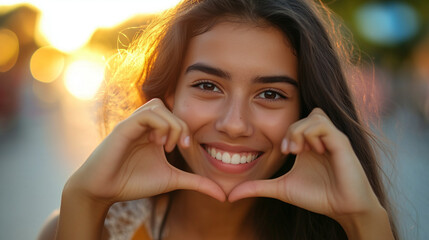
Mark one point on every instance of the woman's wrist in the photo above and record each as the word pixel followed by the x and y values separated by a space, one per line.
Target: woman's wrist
pixel 373 224
pixel 81 216
pixel 77 187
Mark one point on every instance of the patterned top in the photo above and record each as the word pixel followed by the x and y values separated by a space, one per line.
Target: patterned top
pixel 125 218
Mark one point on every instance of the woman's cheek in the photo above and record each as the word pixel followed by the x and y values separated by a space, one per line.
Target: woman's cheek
pixel 274 124
pixel 196 113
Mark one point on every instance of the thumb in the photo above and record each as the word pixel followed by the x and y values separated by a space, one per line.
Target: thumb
pixel 190 181
pixel 256 188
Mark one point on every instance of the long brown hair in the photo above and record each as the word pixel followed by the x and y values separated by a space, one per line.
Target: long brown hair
pixel 152 64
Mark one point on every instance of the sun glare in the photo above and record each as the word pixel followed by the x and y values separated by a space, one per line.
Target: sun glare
pixel 83 78
pixel 63 29
pixel 68 25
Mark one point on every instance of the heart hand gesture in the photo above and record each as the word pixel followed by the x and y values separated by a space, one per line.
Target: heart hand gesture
pixel 131 163
pixel 327 177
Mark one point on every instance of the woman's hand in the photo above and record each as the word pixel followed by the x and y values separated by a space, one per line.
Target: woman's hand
pixel 327 177
pixel 131 163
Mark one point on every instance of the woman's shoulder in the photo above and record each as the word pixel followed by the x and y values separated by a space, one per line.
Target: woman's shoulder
pixel 49 228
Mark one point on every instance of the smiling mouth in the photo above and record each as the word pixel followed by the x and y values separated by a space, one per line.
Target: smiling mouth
pixel 231 157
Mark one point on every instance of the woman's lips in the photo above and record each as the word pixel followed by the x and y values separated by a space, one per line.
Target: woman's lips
pixel 231 159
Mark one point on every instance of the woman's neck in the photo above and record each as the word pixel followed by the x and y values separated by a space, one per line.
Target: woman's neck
pixel 196 216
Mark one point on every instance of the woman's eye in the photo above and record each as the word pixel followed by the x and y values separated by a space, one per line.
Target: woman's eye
pixel 207 86
pixel 271 95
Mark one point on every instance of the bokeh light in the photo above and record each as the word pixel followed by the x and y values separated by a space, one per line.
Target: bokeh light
pixel 387 23
pixel 47 64
pixel 83 78
pixel 9 49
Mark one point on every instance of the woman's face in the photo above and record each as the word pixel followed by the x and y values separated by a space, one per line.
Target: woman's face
pixel 238 94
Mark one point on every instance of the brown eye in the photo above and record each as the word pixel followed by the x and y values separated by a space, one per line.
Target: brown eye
pixel 207 86
pixel 271 95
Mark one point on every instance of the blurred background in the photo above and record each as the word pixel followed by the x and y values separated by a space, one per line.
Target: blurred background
pixel 52 56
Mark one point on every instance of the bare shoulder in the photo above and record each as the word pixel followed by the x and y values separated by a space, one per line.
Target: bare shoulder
pixel 49 228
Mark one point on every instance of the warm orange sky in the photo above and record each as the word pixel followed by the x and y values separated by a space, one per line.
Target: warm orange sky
pixel 67 25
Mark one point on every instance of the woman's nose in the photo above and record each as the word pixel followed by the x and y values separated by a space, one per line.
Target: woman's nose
pixel 234 121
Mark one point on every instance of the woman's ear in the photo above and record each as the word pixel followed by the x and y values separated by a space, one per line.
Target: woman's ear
pixel 169 101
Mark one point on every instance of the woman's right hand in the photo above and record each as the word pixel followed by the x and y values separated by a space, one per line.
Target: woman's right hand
pixel 131 163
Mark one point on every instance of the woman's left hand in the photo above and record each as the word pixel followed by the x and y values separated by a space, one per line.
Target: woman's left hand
pixel 327 177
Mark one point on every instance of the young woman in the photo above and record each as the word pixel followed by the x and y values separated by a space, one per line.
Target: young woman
pixel 242 127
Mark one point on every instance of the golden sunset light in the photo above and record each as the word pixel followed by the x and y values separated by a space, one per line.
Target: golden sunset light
pixel 62 32
pixel 83 78
pixel 68 25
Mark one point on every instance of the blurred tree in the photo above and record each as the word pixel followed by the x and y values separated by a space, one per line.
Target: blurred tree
pixel 391 56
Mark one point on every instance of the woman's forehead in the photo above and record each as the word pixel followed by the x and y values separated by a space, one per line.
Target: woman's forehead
pixel 243 45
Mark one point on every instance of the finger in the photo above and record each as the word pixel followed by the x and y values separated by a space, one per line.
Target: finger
pixel 332 139
pixel 307 147
pixel 294 138
pixel 295 135
pixel 313 137
pixel 159 126
pixel 256 188
pixel 134 126
pixel 186 136
pixel 159 135
pixel 189 181
pixel 178 129
pixel 148 104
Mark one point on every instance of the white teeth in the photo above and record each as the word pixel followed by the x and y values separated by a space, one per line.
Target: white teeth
pixel 231 158
pixel 235 159
pixel 243 159
pixel 226 158
pixel 249 158
pixel 219 156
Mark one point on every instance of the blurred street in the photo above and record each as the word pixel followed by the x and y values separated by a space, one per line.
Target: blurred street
pixel 36 158
pixel 409 145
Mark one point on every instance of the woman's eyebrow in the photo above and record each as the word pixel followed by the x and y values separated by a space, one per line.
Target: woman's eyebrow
pixel 225 75
pixel 209 70
pixel 276 79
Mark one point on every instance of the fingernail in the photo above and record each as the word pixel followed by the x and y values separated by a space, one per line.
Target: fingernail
pixel 284 145
pixel 163 140
pixel 186 141
pixel 293 147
